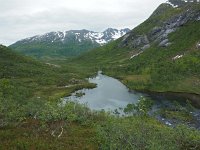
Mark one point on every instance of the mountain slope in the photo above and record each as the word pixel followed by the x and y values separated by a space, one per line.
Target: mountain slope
pixel 13 65
pixel 27 72
pixel 161 54
pixel 40 79
pixel 68 43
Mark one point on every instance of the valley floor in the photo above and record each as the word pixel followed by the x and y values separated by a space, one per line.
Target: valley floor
pixel 38 124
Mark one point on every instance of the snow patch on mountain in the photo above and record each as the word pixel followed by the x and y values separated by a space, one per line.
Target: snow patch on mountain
pixel 79 35
pixel 136 55
pixel 178 3
pixel 101 41
pixel 173 5
pixel 177 57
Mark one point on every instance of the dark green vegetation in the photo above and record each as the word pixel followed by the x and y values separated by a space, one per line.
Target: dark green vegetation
pixel 45 49
pixel 155 68
pixel 32 115
pixel 139 131
pixel 41 79
pixel 145 133
pixel 29 112
pixel 41 124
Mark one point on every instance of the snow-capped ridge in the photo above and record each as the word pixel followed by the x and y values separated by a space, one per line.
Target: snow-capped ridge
pixel 173 5
pixel 178 3
pixel 101 38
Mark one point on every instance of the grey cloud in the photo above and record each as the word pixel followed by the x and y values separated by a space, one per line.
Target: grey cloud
pixel 17 23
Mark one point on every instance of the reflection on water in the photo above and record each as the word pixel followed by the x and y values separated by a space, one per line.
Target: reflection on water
pixel 110 94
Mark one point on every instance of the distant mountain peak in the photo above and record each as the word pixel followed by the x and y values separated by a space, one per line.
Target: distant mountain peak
pixel 101 38
pixel 179 3
pixel 62 43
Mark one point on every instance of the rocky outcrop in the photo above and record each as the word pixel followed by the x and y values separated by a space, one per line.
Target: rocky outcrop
pixel 145 47
pixel 159 34
pixel 165 43
pixel 136 41
pixel 139 41
pixel 180 3
pixel 198 45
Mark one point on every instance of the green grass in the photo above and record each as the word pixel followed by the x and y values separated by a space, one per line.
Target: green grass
pixel 154 69
pixel 40 79
pixel 29 87
pixel 43 49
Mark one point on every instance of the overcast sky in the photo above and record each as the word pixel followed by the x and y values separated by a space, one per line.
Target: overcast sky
pixel 24 18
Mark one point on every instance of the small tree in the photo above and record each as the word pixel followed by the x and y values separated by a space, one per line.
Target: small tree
pixel 130 109
pixel 142 107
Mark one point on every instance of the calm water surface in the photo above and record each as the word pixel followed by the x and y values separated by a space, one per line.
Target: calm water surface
pixel 110 94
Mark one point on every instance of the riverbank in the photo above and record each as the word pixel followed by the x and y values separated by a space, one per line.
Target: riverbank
pixel 112 96
pixel 132 84
pixel 90 128
pixel 109 94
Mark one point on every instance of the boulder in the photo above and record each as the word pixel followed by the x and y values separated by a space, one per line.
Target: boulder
pixel 168 31
pixel 145 47
pixel 165 43
pixel 125 37
pixel 198 45
pixel 155 31
pixel 139 41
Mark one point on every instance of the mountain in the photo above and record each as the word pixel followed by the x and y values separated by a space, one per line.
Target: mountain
pixel 30 98
pixel 23 70
pixel 13 65
pixel 161 54
pixel 68 43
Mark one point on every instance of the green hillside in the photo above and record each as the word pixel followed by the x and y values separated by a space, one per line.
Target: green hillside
pixel 42 49
pixel 38 79
pixel 30 89
pixel 65 44
pixel 161 54
pixel 17 66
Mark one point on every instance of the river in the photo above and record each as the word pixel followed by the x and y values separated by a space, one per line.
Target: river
pixel 110 94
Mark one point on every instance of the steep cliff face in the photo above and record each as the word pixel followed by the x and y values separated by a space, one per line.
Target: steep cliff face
pixel 162 25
